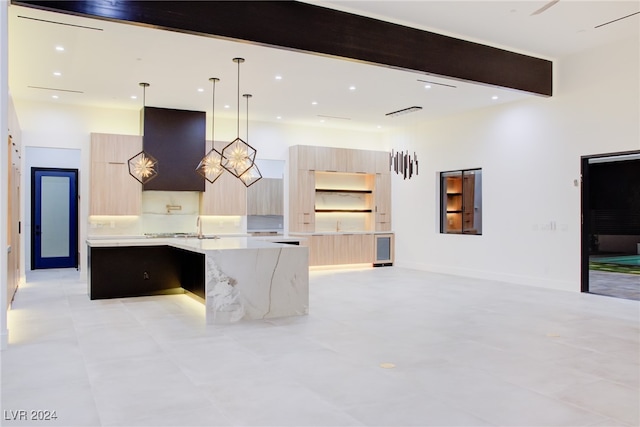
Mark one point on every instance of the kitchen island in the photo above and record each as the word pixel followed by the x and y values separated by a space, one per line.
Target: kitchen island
pixel 237 278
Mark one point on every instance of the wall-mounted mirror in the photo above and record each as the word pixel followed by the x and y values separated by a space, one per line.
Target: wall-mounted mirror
pixel 265 199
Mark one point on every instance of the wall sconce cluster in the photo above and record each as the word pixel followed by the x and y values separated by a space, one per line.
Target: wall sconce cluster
pixel 403 164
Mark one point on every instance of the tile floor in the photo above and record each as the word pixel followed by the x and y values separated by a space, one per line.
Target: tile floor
pixel 466 352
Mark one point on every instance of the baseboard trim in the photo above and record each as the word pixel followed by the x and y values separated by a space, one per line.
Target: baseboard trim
pixel 559 285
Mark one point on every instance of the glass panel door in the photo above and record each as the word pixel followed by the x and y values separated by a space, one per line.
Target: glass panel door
pixel 54 218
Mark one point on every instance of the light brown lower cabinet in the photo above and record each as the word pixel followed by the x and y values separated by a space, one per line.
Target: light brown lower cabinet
pixel 321 249
pixel 335 249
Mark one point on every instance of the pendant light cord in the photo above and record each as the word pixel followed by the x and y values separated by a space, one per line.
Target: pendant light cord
pixel 248 96
pixel 144 103
pixel 213 114
pixel 238 99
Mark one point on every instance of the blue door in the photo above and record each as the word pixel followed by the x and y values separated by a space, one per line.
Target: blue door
pixel 54 218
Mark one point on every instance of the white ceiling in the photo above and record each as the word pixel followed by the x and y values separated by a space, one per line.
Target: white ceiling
pixel 102 65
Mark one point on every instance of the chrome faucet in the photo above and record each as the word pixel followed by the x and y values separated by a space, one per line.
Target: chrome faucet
pixel 199 225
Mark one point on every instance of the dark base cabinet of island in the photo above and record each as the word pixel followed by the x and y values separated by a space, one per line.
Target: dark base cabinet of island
pixel 119 272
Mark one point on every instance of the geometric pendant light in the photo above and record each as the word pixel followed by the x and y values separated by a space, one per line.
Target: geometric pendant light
pixel 251 175
pixel 238 157
pixel 143 166
pixel 210 167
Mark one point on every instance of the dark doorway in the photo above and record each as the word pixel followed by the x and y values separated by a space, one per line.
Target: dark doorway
pixel 611 225
pixel 54 217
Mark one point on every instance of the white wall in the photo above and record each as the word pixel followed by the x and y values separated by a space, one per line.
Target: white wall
pixel 529 153
pixel 4 101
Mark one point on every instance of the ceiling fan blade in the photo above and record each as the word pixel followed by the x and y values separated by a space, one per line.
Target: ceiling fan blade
pixel 545 7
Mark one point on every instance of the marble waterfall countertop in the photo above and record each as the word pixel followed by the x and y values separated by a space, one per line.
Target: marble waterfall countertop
pixel 245 277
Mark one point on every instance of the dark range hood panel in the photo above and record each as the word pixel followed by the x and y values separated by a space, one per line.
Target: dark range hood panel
pixel 176 138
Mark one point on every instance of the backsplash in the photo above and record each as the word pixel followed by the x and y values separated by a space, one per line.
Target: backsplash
pixel 166 212
pixel 169 211
pixel 340 222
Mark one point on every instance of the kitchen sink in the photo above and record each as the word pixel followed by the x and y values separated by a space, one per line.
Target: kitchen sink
pixel 166 235
pixel 185 235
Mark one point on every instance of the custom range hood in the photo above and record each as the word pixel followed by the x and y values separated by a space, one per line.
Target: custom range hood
pixel 176 138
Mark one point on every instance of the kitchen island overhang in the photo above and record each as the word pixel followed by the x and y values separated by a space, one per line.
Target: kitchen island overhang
pixel 237 278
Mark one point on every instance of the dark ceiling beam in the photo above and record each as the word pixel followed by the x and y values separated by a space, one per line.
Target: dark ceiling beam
pixel 310 28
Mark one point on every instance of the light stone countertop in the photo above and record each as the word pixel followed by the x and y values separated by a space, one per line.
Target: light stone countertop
pixel 336 233
pixel 194 244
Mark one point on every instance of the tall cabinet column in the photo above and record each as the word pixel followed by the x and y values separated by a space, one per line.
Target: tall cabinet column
pixel 340 199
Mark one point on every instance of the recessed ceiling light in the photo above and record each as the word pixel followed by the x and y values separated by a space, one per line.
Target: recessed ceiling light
pixel 226 106
pixel 54 96
pixel 352 88
pixel 494 97
pixel 279 117
pixel 379 127
pixel 322 121
pixel 314 103
pixel 200 89
pixel 278 77
pixel 427 86
pixel 134 97
pixel 57 73
pixel 60 48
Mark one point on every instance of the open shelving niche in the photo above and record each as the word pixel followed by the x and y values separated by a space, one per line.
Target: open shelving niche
pixel 462 202
pixel 454 203
pixel 344 201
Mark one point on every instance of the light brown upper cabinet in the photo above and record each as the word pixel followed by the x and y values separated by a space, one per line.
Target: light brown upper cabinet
pixel 330 159
pixel 302 157
pixel 226 196
pixel 112 190
pixel 383 162
pixel 360 161
pixel 265 197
